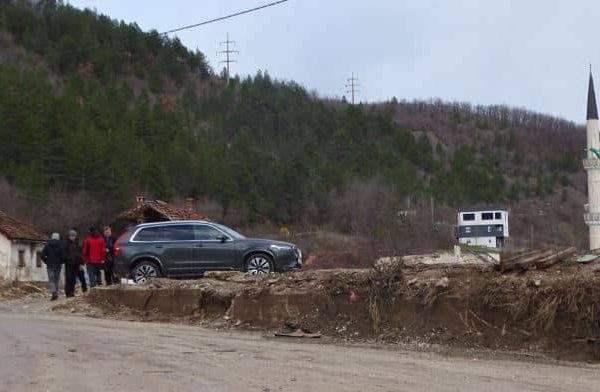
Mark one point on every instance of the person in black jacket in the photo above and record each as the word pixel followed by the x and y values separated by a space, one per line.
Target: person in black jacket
pixel 73 264
pixel 109 261
pixel 53 257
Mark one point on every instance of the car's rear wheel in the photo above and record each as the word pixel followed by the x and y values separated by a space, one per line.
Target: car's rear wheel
pixel 259 264
pixel 145 271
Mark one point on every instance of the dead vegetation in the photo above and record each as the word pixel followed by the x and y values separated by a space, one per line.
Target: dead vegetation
pixel 541 304
pixel 20 290
pixel 385 285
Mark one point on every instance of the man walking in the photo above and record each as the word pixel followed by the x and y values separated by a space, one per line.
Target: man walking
pixel 53 257
pixel 73 265
pixel 94 253
pixel 109 241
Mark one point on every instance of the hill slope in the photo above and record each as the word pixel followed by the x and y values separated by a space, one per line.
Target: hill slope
pixel 98 109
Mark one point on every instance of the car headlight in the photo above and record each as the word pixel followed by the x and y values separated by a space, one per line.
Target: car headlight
pixel 280 247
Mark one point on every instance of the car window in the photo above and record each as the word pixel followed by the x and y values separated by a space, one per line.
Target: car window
pixel 205 233
pixel 230 232
pixel 148 234
pixel 178 233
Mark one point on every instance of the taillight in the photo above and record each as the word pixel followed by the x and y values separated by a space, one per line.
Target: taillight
pixel 117 246
pixel 117 249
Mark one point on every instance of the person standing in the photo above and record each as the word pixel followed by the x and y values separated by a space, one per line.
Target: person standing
pixel 94 254
pixel 109 241
pixel 53 257
pixel 73 265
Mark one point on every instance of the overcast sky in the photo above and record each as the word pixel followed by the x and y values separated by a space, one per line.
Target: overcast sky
pixel 528 53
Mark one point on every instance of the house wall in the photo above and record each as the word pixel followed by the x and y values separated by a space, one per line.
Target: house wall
pixel 489 242
pixel 9 261
pixel 5 248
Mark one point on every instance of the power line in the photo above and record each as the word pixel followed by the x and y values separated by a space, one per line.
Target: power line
pixel 227 52
pixel 223 17
pixel 352 86
pixel 133 39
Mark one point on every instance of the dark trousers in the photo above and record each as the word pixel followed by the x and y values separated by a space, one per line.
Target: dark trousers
pixel 108 273
pixel 81 276
pixel 93 270
pixel 72 273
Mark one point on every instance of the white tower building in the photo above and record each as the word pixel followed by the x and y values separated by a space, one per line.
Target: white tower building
pixel 592 166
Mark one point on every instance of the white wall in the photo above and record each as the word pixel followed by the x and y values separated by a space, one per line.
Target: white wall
pixel 5 248
pixel 489 242
pixel 9 261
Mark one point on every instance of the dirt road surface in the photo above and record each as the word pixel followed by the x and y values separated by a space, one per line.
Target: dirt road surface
pixel 42 351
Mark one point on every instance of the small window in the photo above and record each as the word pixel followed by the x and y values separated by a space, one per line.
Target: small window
pixel 178 233
pixel 468 230
pixel 38 259
pixel 487 216
pixel 469 217
pixel 21 263
pixel 498 215
pixel 148 234
pixel 206 233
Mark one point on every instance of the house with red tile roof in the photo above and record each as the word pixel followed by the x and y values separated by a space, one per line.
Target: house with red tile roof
pixel 21 247
pixel 146 211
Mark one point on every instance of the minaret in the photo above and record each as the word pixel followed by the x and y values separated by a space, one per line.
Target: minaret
pixel 592 167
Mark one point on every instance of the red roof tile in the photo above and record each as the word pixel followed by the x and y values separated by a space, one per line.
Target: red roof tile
pixel 14 229
pixel 164 209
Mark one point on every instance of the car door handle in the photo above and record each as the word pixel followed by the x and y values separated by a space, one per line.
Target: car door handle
pixel 199 245
pixel 158 246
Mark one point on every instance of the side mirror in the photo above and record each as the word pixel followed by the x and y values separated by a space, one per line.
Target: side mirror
pixel 224 239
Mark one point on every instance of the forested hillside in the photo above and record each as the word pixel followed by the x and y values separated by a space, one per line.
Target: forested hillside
pixel 98 109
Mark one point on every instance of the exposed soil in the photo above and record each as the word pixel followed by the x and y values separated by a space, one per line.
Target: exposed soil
pixel 555 312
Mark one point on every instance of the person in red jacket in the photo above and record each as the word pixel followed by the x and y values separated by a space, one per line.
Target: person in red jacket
pixel 94 254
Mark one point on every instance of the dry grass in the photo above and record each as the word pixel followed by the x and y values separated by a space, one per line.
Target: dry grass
pixel 572 299
pixel 18 290
pixel 385 285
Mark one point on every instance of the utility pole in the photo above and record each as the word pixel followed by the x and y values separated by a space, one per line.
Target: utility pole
pixel 227 52
pixel 352 86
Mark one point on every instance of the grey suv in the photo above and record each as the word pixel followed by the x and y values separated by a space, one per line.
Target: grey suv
pixel 189 248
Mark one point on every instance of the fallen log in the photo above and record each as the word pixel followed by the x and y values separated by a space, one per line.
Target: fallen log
pixel 540 260
pixel 524 262
pixel 519 256
pixel 556 258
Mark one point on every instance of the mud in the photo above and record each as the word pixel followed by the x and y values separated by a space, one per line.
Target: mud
pixel 555 312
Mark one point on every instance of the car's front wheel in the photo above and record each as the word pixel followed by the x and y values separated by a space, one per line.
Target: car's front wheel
pixel 145 271
pixel 259 264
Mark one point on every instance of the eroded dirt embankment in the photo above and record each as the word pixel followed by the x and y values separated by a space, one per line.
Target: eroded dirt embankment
pixel 555 311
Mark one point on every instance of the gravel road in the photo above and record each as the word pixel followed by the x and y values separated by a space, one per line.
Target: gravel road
pixel 53 352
